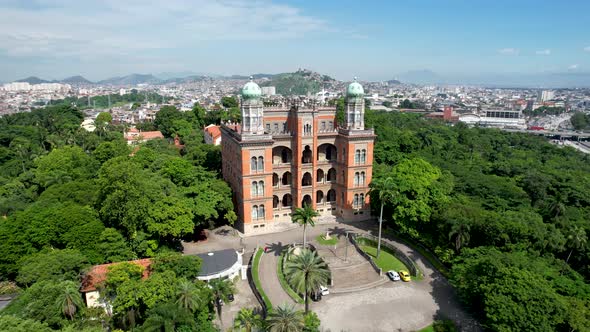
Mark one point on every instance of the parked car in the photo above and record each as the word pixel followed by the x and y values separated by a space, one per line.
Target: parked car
pixel 394 276
pixel 404 275
pixel 324 290
pixel 316 296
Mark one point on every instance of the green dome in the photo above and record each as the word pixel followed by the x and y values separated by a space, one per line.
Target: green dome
pixel 251 90
pixel 355 89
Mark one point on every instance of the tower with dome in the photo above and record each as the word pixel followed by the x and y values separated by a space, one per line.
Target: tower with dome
pixel 281 158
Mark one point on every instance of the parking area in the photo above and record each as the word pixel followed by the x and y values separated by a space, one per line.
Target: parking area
pixel 244 298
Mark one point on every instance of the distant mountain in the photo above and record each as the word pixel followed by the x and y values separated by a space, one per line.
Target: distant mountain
pixel 76 80
pixel 33 80
pixel 393 82
pixel 300 82
pixel 132 79
pixel 187 79
pixel 254 76
pixel 176 75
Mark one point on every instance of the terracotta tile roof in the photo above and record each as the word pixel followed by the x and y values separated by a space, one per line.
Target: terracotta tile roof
pixel 213 131
pixel 98 274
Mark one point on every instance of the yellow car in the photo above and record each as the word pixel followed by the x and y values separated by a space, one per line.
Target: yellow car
pixel 404 275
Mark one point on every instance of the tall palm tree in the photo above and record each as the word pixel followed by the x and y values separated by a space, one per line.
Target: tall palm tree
pixel 304 216
pixel 306 272
pixel 69 300
pixel 221 290
pixel 384 190
pixel 187 296
pixel 576 239
pixel 247 320
pixel 460 230
pixel 285 319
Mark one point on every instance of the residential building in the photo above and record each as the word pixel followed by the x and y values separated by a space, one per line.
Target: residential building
pixel 212 134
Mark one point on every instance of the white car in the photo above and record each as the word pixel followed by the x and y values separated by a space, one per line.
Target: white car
pixel 324 290
pixel 394 276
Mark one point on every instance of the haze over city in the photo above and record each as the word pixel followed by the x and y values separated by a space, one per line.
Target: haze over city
pixel 519 43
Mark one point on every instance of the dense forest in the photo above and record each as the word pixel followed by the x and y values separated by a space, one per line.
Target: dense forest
pixel 71 198
pixel 508 213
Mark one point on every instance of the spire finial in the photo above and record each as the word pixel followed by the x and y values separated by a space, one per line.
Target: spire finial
pixel 251 78
pixel 355 78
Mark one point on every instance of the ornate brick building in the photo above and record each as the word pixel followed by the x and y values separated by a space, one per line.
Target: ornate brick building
pixel 282 158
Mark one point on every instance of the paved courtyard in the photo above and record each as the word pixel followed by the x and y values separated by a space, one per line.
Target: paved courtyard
pixel 387 306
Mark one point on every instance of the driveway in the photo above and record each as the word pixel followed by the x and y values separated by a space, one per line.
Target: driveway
pixel 387 307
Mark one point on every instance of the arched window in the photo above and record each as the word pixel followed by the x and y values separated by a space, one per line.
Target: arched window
pixel 319 197
pixel 362 178
pixel 357 156
pixel 355 202
pixel 287 200
pixel 255 212
pixel 319 176
pixel 331 195
pixel 306 180
pixel 363 156
pixel 306 157
pixel 286 179
pixel 254 189
pixel 275 201
pixel 285 156
pixel 261 212
pixel 331 175
pixel 356 178
pixel 275 179
pixel 260 163
pixel 306 201
pixel 361 201
pixel 253 163
pixel 261 188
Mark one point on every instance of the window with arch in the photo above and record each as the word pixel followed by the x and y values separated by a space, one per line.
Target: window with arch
pixel 306 180
pixel 261 211
pixel 331 197
pixel 260 188
pixel 255 212
pixel 362 179
pixel 357 156
pixel 253 164
pixel 275 202
pixel 363 156
pixel 319 176
pixel 254 189
pixel 331 175
pixel 275 179
pixel 260 164
pixel 286 180
pixel 356 178
pixel 287 200
pixel 319 197
pixel 306 157
pixel 355 201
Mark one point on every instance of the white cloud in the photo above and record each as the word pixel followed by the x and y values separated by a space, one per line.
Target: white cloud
pixel 93 29
pixel 509 51
pixel 573 67
pixel 543 52
pixel 587 48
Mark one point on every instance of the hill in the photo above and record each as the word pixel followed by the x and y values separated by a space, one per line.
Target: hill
pixel 300 82
pixel 33 80
pixel 131 80
pixel 76 80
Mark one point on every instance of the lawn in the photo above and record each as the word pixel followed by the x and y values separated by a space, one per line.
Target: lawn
pixel 255 263
pixel 386 260
pixel 320 239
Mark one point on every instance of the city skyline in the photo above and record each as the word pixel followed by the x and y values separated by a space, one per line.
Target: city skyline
pixel 524 43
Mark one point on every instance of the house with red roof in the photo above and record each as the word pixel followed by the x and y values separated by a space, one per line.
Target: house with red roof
pixel 212 134
pixel 94 279
pixel 135 136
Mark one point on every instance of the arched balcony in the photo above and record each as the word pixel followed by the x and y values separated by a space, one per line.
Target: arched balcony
pixel 306 180
pixel 281 155
pixel 287 178
pixel 319 197
pixel 306 201
pixel 331 175
pixel 331 197
pixel 287 200
pixel 306 155
pixel 327 152
pixel 319 176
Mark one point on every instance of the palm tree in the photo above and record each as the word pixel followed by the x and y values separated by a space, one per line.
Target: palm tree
pixel 221 290
pixel 187 296
pixel 460 230
pixel 385 190
pixel 167 317
pixel 304 216
pixel 69 300
pixel 576 239
pixel 306 272
pixel 247 320
pixel 285 319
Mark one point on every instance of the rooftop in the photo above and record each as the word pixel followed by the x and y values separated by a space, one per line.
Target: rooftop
pixel 98 274
pixel 217 261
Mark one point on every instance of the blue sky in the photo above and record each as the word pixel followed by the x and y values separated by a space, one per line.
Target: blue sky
pixel 374 40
